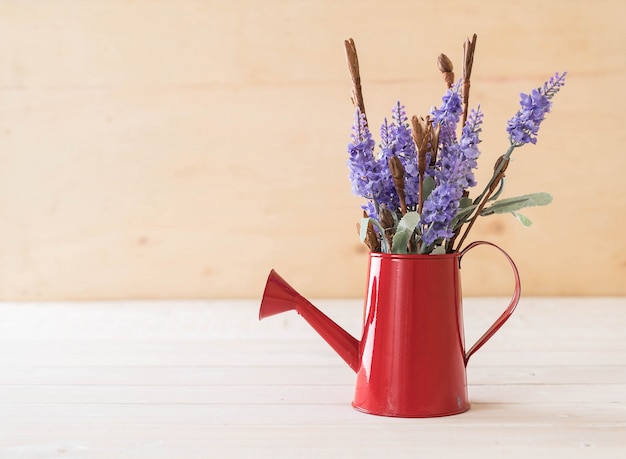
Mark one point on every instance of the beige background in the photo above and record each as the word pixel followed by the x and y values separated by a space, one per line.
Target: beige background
pixel 180 149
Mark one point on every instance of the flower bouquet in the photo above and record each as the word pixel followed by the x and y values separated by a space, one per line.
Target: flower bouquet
pixel 417 185
pixel 411 358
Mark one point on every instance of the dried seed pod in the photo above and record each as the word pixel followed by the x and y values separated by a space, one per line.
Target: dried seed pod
pixel 387 221
pixel 421 161
pixel 446 68
pixel 434 144
pixel 386 218
pixel 355 74
pixel 397 172
pixel 469 47
pixel 417 130
pixel 424 148
pixel 371 240
pixel 505 164
pixel 499 167
pixel 422 133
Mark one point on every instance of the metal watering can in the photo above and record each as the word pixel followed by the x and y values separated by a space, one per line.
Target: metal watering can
pixel 411 359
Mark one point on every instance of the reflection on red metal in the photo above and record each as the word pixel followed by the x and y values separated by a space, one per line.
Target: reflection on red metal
pixel 411 359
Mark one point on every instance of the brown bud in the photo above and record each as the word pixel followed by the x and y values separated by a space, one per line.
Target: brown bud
pixel 421 131
pixel 504 165
pixel 425 147
pixel 417 130
pixel 501 164
pixel 386 218
pixel 445 67
pixel 397 172
pixel 434 145
pixel 425 140
pixel 444 63
pixel 421 161
pixel 396 168
pixel 371 240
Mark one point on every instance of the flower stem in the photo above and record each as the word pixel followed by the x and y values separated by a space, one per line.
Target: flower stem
pixel 479 209
pixel 497 169
pixel 498 174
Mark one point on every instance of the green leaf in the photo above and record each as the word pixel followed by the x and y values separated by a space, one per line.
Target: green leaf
pixel 363 229
pixel 520 202
pixel 464 211
pixel 404 231
pixel 409 221
pixel 439 250
pixel 465 202
pixel 427 187
pixel 524 220
pixel 395 218
pixel 363 232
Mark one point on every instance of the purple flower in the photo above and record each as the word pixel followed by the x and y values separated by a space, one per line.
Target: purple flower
pixel 438 212
pixel 371 211
pixel 454 174
pixel 388 195
pixel 441 206
pixel 406 150
pixel 524 126
pixel 448 114
pixel 469 146
pixel 396 140
pixel 364 169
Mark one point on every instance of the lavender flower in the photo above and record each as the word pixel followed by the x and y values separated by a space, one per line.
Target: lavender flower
pixel 448 114
pixel 364 169
pixel 454 175
pixel 396 140
pixel 406 150
pixel 469 146
pixel 432 222
pixel 524 126
pixel 438 212
pixel 441 206
pixel 388 195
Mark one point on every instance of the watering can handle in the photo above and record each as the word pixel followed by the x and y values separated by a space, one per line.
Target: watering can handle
pixel 507 312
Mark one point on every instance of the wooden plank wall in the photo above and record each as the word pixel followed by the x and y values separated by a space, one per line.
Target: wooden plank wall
pixel 181 149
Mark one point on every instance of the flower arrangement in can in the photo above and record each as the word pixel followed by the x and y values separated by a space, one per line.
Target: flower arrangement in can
pixel 418 182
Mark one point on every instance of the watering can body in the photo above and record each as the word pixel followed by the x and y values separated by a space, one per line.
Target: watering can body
pixel 411 359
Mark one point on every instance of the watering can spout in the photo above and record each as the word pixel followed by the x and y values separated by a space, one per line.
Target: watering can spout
pixel 279 297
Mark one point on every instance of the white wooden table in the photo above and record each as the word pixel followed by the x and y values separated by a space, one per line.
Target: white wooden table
pixel 207 380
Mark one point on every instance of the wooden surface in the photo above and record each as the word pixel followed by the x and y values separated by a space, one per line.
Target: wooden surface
pixel 181 149
pixel 205 379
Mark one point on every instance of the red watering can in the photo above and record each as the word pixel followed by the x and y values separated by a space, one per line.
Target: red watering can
pixel 411 359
